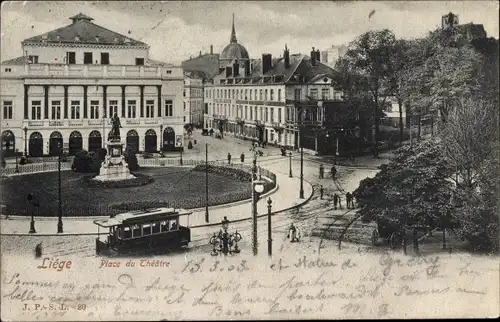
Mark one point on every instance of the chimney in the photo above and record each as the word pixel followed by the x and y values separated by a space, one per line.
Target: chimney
pixel 211 49
pixel 236 68
pixel 286 55
pixel 318 56
pixel 200 53
pixel 228 71
pixel 266 63
pixel 313 57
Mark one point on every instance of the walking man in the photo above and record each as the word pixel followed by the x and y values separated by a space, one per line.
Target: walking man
pixel 335 201
pixel 321 191
pixel 340 202
pixel 242 158
pixel 334 172
pixel 321 171
pixel 229 158
pixel 348 199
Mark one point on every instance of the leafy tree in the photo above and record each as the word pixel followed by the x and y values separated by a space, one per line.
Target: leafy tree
pixel 369 57
pixel 131 158
pixel 84 162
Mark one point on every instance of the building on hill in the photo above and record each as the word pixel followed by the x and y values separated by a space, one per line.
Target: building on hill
pixel 70 81
pixel 470 30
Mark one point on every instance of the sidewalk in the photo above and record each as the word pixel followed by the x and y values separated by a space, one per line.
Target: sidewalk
pixel 284 197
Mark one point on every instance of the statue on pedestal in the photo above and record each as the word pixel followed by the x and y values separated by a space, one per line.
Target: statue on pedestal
pixel 114 134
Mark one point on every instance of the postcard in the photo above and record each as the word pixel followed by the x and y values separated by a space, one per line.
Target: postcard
pixel 240 160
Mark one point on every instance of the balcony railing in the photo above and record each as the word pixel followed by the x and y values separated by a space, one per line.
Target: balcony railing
pixel 95 122
pixel 91 71
pixel 75 123
pixel 35 123
pixel 132 121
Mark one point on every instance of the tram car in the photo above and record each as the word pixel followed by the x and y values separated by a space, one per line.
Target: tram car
pixel 145 230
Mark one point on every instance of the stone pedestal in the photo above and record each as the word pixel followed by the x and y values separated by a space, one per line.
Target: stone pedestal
pixel 114 167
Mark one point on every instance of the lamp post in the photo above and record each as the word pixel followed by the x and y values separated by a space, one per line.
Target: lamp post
pixel 17 164
pixel 32 222
pixel 59 206
pixel 301 192
pixel 290 157
pixel 225 242
pixel 257 188
pixel 206 182
pixel 269 233
pixel 161 137
pixel 25 141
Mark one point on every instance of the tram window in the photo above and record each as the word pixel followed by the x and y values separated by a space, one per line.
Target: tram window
pixel 127 232
pixel 136 231
pixel 164 226
pixel 156 227
pixel 173 224
pixel 146 229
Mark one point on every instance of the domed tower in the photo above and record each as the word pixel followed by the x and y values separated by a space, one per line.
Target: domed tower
pixel 233 50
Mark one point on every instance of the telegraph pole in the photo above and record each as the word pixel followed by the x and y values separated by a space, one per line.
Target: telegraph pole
pixel 59 208
pixel 254 207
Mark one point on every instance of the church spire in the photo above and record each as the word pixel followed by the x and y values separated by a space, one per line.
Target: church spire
pixel 233 34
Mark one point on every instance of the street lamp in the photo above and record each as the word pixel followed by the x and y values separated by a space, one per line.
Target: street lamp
pixel 161 137
pixel 301 192
pixel 257 189
pixel 25 141
pixel 269 237
pixel 17 164
pixel 290 156
pixel 32 222
pixel 59 206
pixel 224 242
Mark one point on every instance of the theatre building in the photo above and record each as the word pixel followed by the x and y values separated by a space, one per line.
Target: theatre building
pixel 70 81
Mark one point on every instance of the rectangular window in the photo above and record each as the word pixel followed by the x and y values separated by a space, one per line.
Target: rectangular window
pixel 32 59
pixel 104 58
pixel 131 109
pixel 87 58
pixel 250 96
pixel 139 61
pixel 7 110
pixel 36 110
pixel 169 108
pixel 75 110
pixel 56 110
pixel 260 114
pixel 325 93
pixel 150 108
pixel 113 108
pixel 184 93
pixel 297 94
pixel 267 115
pixel 272 115
pixel 272 95
pixel 255 113
pixel 279 94
pixel 94 109
pixel 266 97
pixel 279 115
pixel 255 95
pixel 251 113
pixel 246 97
pixel 246 112
pixel 206 108
pixel 71 57
pixel 313 93
pixel 260 95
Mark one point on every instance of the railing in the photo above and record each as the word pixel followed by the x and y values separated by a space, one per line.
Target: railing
pixel 76 123
pixel 132 121
pixel 35 123
pixel 95 122
pixel 36 167
pixel 93 71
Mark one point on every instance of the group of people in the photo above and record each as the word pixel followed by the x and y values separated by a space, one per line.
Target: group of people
pixel 337 199
pixel 333 172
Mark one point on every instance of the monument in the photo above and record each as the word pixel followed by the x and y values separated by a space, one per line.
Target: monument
pixel 114 167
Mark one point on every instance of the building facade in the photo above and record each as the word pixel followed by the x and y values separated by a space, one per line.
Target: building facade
pixel 331 55
pixel 70 81
pixel 193 98
pixel 264 100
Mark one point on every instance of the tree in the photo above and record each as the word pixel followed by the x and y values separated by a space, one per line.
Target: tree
pixel 130 157
pixel 401 61
pixel 369 57
pixel 412 190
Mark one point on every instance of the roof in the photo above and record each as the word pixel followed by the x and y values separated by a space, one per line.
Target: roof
pixel 234 50
pixel 84 31
pixel 15 61
pixel 156 63
pixel 141 214
pixel 300 70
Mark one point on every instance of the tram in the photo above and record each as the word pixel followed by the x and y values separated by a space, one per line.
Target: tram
pixel 150 229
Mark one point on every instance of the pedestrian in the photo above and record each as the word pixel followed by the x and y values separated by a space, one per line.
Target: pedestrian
pixel 321 191
pixel 229 158
pixel 335 201
pixel 242 157
pixel 348 199
pixel 321 171
pixel 352 156
pixel 334 172
pixel 340 202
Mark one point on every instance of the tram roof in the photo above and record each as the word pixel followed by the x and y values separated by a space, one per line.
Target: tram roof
pixel 138 216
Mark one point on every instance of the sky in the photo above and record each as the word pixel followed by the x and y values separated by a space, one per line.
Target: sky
pixel 176 30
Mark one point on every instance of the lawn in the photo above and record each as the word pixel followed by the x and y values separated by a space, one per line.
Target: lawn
pixel 175 187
